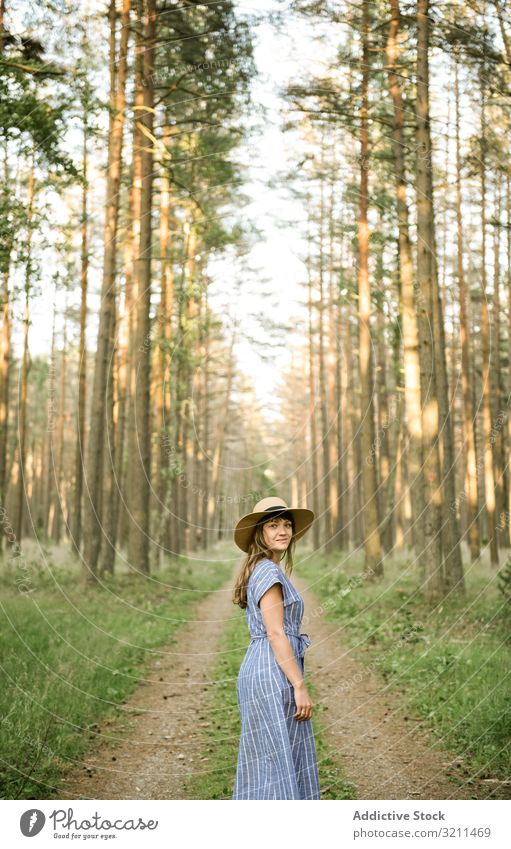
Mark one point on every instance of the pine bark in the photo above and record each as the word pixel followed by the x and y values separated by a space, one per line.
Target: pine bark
pixel 92 513
pixel 407 300
pixel 140 470
pixel 431 555
pixel 489 472
pixel 80 449
pixel 372 546
pixel 469 436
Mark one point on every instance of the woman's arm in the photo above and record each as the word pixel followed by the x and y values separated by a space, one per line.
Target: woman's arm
pixel 272 611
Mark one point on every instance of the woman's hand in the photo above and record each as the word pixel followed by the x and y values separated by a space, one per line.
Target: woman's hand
pixel 303 702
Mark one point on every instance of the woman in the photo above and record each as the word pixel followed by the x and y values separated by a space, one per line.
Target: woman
pixel 277 755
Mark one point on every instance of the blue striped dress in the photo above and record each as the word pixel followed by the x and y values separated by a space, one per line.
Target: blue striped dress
pixel 277 754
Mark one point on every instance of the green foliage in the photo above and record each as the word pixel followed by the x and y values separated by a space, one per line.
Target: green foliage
pixel 32 115
pixel 12 217
pixel 203 70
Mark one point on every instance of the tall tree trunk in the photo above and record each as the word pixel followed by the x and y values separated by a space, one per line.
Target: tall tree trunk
pixel 5 353
pixel 431 556
pixel 120 404
pixel 76 515
pixel 107 555
pixel 48 497
pixel 466 377
pixel 489 474
pixel 2 17
pixel 508 279
pixel 352 437
pixel 333 421
pixel 498 413
pixel 190 271
pixel 411 354
pixel 312 415
pixel 59 470
pixel 342 535
pixel 92 514
pixel 323 401
pixel 140 470
pixel 126 333
pixel 505 37
pixel 22 406
pixel 5 363
pixel 206 423
pixel 452 562
pixel 373 554
pixel 381 448
pixel 165 309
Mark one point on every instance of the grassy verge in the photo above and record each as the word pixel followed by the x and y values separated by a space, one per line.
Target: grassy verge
pixel 450 661
pixel 71 655
pixel 222 727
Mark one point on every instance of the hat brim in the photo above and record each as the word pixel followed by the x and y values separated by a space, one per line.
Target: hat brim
pixel 244 530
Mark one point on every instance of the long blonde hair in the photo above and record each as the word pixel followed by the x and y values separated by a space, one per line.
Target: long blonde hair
pixel 257 551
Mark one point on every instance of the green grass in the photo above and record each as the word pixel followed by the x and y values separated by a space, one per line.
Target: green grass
pixel 223 728
pixel 450 662
pixel 71 655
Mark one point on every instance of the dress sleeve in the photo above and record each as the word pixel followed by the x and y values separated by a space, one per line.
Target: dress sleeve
pixel 264 576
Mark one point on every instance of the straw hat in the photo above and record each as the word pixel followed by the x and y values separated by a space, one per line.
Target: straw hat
pixel 243 531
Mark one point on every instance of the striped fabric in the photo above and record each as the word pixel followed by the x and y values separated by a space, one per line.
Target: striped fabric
pixel 277 754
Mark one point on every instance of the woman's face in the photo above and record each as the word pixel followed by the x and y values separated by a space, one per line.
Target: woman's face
pixel 277 533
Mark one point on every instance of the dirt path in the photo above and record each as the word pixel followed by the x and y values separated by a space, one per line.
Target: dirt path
pixel 162 739
pixel 378 745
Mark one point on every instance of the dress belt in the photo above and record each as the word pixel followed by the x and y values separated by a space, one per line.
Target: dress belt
pixel 305 640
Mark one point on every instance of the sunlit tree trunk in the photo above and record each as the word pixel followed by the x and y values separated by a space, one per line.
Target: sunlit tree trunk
pixel 466 377
pixel 163 354
pixel 323 402
pixel 333 421
pixel 508 279
pixel 489 474
pixel 431 556
pixel 76 514
pixel 5 361
pixel 59 464
pixel 92 514
pixel 342 411
pixel 498 413
pixel 312 412
pixel 205 422
pixel 411 354
pixel 372 546
pixel 17 522
pixel 110 448
pixel 140 470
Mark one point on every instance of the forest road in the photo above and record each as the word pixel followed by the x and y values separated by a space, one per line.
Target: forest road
pixel 164 740
pixel 380 747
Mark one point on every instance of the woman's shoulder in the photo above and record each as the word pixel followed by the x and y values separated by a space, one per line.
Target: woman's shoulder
pixel 266 564
pixel 266 570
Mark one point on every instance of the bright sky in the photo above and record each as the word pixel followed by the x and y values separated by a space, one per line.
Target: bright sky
pixel 281 56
